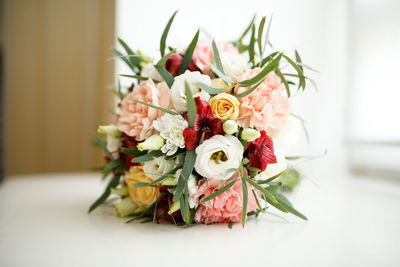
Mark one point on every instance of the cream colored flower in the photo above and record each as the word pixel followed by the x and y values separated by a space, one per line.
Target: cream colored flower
pixel 225 106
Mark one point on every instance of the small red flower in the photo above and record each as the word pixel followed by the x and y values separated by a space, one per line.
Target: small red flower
pixel 205 123
pixel 174 62
pixel 261 152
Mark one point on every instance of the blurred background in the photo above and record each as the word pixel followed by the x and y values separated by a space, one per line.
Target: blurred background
pixel 56 64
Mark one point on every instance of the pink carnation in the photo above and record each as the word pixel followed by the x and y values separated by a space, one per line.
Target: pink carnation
pixel 265 108
pixel 203 53
pixel 226 207
pixel 136 120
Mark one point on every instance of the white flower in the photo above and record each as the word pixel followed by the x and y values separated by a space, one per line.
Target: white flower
pixel 288 135
pixel 154 142
pixel 171 129
pixel 218 154
pixel 273 169
pixel 250 135
pixel 234 64
pixel 230 127
pixel 178 88
pixel 158 167
pixel 113 144
pixel 150 71
pixel 192 187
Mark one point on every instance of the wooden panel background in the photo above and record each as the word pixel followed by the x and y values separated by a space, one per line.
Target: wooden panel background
pixel 57 67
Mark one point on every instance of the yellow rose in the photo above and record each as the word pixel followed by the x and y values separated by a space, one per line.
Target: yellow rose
pixel 143 196
pixel 225 106
pixel 219 83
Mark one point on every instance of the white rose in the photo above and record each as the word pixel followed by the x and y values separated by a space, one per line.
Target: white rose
pixel 150 71
pixel 273 169
pixel 157 167
pixel 178 88
pixel 113 144
pixel 288 135
pixel 218 154
pixel 234 64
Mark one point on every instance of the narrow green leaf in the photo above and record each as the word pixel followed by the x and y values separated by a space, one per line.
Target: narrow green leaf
pixel 298 59
pixel 126 60
pixel 164 59
pixel 182 204
pixel 153 184
pixel 112 184
pixel 266 193
pixel 165 34
pixel 191 105
pixel 283 79
pixel 247 92
pixel 168 78
pixel 260 33
pixel 102 145
pixel 271 178
pixel 268 58
pixel 210 90
pixel 257 201
pixel 302 82
pixel 224 78
pixel 251 44
pixel 132 152
pixel 287 205
pixel 245 195
pixel 142 185
pixel 250 168
pixel 219 192
pixel 267 36
pixel 267 69
pixel 217 58
pixel 187 209
pixel 246 31
pixel 114 164
pixel 133 58
pixel 230 170
pixel 188 54
pixel 307 67
pixel 149 156
pixel 134 76
pixel 190 159
pixel 156 107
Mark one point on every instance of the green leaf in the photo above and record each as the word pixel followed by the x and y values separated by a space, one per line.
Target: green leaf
pixel 230 170
pixel 190 159
pixel 258 202
pixel 188 54
pixel 267 69
pixel 267 36
pixel 217 58
pixel 191 105
pixel 102 145
pixel 266 193
pixel 112 184
pixel 298 59
pixel 126 60
pixel 134 76
pixel 149 156
pixel 168 78
pixel 226 80
pixel 210 90
pixel 283 79
pixel 302 81
pixel 245 195
pixel 156 107
pixel 246 31
pixel 165 34
pixel 219 192
pixel 251 44
pixel 142 185
pixel 164 59
pixel 134 59
pixel 183 209
pixel 133 152
pixel 268 58
pixel 115 164
pixel 287 205
pixel 271 178
pixel 260 32
pixel 247 92
pixel 307 67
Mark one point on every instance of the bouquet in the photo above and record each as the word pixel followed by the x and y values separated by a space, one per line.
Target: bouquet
pixel 197 134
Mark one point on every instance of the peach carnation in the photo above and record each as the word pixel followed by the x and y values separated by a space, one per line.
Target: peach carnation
pixel 135 119
pixel 265 108
pixel 226 207
pixel 203 53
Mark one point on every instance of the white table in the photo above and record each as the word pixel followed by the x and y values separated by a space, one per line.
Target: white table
pixel 353 222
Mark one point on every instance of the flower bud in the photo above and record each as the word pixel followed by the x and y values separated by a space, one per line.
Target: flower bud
pixel 230 127
pixel 111 130
pixel 154 142
pixel 176 205
pixel 250 135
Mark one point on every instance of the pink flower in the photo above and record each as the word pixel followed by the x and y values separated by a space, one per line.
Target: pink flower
pixel 265 108
pixel 203 53
pixel 136 120
pixel 226 207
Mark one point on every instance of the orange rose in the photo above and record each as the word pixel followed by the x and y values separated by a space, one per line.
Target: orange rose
pixel 143 196
pixel 225 106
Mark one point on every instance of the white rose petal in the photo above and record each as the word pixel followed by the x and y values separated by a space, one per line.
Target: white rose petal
pixel 157 167
pixel 234 64
pixel 150 71
pixel 178 88
pixel 216 169
pixel 171 129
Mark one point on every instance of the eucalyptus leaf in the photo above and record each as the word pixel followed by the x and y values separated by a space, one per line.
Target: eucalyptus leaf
pixel 267 36
pixel 165 34
pixel 260 33
pixel 249 91
pixel 190 159
pixel 132 152
pixel 283 79
pixel 298 59
pixel 210 90
pixel 218 192
pixel 217 58
pixel 246 31
pixel 134 76
pixel 271 178
pixel 168 78
pixel 126 60
pixel 191 105
pixel 164 59
pixel 133 58
pixel 156 107
pixel 149 156
pixel 188 54
pixel 287 205
pixel 112 184
pixel 102 145
pixel 224 78
pixel 245 195
pixel 251 44
pixel 302 82
pixel 267 69
pixel 266 193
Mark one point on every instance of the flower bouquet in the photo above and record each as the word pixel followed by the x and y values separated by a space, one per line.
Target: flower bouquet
pixel 196 136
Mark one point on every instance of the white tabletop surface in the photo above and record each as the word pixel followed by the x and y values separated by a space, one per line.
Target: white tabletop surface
pixel 352 222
